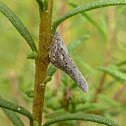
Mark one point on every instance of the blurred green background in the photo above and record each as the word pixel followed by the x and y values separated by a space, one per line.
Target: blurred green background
pixel 17 72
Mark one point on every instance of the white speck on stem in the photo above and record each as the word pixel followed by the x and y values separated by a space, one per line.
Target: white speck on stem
pixel 42 84
pixel 19 109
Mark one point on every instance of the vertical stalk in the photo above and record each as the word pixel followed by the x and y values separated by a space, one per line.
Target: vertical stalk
pixel 111 28
pixel 42 61
pixel 119 92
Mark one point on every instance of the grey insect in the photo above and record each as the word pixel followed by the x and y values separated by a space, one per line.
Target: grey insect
pixel 60 58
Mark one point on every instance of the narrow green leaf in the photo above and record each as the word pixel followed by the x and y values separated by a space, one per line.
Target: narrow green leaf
pixel 86 66
pixel 51 70
pixel 45 4
pixel 56 113
pixel 110 101
pixel 87 7
pixel 30 93
pixel 92 107
pixel 121 63
pixel 71 47
pixel 18 25
pixel 86 117
pixel 119 12
pixel 47 79
pixel 35 123
pixel 40 3
pixel 113 72
pixel 90 19
pixel 16 108
pixel 75 43
pixel 32 55
pixel 104 26
pixel 108 115
pixel 13 117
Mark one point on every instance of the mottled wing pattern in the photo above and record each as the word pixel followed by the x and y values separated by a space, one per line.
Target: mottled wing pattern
pixel 60 58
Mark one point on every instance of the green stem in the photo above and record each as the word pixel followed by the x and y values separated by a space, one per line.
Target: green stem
pixel 42 61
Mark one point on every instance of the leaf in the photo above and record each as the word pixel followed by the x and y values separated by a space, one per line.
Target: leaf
pixel 71 47
pixel 51 70
pixel 92 107
pixel 47 79
pixel 45 4
pixel 113 72
pixel 40 3
pixel 86 117
pixel 84 65
pixel 16 108
pixel 29 93
pixel 18 25
pixel 90 19
pixel 75 43
pixel 119 12
pixel 104 26
pixel 13 117
pixel 56 113
pixel 32 55
pixel 110 101
pixel 121 63
pixel 35 123
pixel 86 7
pixel 107 115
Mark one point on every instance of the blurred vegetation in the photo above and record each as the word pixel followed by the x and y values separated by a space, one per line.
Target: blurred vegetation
pixel 106 96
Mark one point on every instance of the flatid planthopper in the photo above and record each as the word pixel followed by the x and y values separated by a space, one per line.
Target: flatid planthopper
pixel 61 59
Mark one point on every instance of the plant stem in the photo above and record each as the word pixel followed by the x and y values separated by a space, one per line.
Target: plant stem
pixel 66 98
pixel 111 14
pixel 119 92
pixel 42 61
